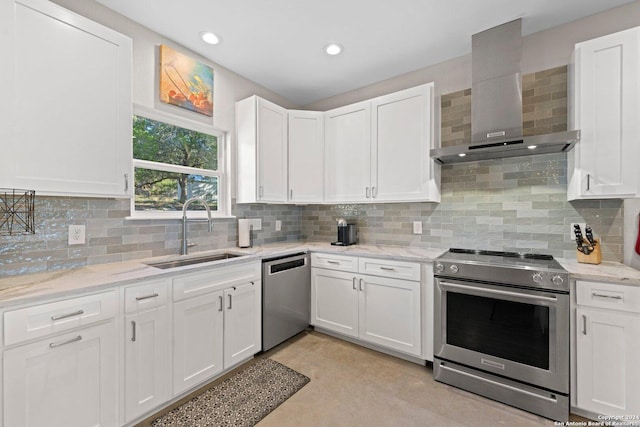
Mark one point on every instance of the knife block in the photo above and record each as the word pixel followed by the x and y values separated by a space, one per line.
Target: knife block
pixel 594 257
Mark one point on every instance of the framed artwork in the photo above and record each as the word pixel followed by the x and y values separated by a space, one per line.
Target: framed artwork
pixel 185 82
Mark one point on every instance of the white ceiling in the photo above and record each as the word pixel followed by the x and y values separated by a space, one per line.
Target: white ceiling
pixel 279 43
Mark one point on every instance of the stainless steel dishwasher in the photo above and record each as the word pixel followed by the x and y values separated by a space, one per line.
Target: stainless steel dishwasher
pixel 286 298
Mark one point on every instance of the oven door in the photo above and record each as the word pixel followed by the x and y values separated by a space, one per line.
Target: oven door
pixel 517 333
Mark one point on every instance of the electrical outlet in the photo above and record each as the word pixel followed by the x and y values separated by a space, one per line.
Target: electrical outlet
pixel 582 227
pixel 256 223
pixel 417 227
pixel 278 225
pixel 76 235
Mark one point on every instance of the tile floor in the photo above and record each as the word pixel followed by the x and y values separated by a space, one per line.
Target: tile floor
pixel 353 386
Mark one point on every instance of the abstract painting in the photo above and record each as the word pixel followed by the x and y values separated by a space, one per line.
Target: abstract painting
pixel 185 82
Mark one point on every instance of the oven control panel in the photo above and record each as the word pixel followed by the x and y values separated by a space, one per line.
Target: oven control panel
pixel 551 280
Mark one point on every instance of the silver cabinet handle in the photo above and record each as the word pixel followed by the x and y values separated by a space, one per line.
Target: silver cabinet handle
pixel 133 331
pixel 354 284
pixel 618 297
pixel 588 181
pixel 374 192
pixel 361 288
pixel 126 182
pixel 146 297
pixel 54 345
pixel 221 303
pixel 333 262
pixel 584 325
pixel 64 316
pixel 261 191
pixel 291 193
pixel 230 301
pixel 387 268
pixel 366 192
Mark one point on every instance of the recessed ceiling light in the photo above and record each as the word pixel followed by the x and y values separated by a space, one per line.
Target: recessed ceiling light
pixel 461 155
pixel 210 38
pixel 532 147
pixel 333 49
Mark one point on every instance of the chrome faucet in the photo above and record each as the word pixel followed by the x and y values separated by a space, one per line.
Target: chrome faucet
pixel 185 245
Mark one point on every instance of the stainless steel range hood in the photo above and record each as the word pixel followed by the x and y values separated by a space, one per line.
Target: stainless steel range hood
pixel 496 103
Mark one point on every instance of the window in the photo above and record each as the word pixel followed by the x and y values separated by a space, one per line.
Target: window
pixel 175 160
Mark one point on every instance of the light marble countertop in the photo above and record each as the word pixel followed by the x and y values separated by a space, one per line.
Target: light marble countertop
pixel 30 288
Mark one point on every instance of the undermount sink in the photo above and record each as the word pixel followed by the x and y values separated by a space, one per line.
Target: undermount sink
pixel 195 260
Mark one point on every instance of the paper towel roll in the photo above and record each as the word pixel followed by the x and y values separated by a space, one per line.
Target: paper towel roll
pixel 244 233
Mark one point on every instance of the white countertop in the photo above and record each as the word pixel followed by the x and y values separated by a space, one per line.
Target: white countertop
pixel 36 287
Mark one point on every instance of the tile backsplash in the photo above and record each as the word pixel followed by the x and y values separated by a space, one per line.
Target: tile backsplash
pixel 517 204
pixel 110 237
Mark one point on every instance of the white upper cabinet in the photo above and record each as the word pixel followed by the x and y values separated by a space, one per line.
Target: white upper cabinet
pixel 347 172
pixel 402 135
pixel 261 131
pixel 606 110
pixel 66 114
pixel 306 156
pixel 378 150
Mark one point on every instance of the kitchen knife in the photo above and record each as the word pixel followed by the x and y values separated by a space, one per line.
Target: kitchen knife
pixel 589 235
pixel 578 232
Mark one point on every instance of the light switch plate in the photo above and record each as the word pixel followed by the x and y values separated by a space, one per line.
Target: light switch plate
pixel 417 227
pixel 76 234
pixel 278 225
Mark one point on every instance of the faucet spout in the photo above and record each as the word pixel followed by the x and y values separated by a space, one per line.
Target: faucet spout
pixel 185 246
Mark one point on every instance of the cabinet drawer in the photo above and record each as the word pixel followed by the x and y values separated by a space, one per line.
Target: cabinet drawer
pixel 209 281
pixel 335 262
pixel 386 268
pixel 608 295
pixel 45 319
pixel 146 296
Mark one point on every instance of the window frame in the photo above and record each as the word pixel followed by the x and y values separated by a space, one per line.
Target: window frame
pixel 222 174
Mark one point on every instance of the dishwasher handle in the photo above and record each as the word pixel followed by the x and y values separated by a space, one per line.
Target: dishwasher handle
pixel 287 263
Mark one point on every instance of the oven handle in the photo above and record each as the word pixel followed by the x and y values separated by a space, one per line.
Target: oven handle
pixel 508 387
pixel 497 292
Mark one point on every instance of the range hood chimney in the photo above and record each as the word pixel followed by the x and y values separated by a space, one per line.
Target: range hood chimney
pixel 496 103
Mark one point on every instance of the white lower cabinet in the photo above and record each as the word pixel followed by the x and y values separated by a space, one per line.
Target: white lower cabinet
pixel 197 340
pixel 242 323
pixel 381 310
pixel 607 326
pixel 68 380
pixel 216 330
pixel 147 348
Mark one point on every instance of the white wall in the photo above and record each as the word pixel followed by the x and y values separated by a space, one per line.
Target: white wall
pixel 540 51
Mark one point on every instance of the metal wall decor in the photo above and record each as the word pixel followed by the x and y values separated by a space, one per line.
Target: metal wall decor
pixel 17 211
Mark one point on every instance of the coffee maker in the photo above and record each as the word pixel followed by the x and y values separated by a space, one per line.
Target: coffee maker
pixel 346 234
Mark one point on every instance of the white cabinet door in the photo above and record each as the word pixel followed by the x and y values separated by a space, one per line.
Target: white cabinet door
pixel 334 298
pixel 607 107
pixel 261 132
pixel 608 378
pixel 146 361
pixel 306 156
pixel 390 313
pixel 197 340
pixel 402 135
pixel 242 323
pixel 272 152
pixel 66 381
pixel 348 153
pixel 66 115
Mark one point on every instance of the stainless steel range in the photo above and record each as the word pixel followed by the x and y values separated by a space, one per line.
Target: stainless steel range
pixel 502 328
